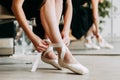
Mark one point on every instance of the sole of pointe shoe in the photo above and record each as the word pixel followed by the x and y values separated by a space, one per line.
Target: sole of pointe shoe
pixel 53 62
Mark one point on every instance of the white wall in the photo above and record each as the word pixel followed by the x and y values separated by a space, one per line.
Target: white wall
pixel 111 28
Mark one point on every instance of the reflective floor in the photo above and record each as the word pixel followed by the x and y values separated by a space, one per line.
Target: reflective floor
pixel 104 64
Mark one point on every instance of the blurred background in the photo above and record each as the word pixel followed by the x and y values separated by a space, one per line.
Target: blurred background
pixel 110 28
pixel 109 12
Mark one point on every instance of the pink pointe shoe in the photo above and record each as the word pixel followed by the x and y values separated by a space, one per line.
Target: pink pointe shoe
pixel 76 68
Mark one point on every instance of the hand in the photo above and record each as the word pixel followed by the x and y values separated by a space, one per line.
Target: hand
pixel 39 44
pixel 66 38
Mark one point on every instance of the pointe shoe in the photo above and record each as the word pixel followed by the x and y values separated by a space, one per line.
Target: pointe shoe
pixel 76 68
pixel 53 62
pixel 105 44
pixel 90 44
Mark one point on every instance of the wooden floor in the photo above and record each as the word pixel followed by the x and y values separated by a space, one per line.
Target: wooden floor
pixel 103 65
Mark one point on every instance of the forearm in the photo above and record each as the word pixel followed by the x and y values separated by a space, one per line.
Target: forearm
pixel 67 17
pixel 96 23
pixel 95 13
pixel 20 16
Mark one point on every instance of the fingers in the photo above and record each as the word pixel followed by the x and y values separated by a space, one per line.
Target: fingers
pixel 40 49
pixel 66 41
pixel 41 46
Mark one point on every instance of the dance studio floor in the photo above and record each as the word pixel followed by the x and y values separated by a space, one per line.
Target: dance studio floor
pixel 104 64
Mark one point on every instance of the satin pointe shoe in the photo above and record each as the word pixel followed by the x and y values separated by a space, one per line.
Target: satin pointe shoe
pixel 105 44
pixel 53 62
pixel 76 68
pixel 90 45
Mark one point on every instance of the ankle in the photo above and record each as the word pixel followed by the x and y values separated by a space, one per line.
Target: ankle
pixel 99 39
pixel 88 39
pixel 64 53
pixel 69 58
pixel 50 55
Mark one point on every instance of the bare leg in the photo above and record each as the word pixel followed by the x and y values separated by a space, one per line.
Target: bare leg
pixel 50 24
pixel 98 36
pixel 58 9
pixel 90 31
pixel 88 39
pixel 102 43
pixel 89 35
pixel 49 21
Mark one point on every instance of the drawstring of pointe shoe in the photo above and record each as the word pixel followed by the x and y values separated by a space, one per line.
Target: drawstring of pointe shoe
pixel 56 45
pixel 60 45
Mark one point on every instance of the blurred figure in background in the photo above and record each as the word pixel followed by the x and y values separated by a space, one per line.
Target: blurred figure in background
pixel 85 23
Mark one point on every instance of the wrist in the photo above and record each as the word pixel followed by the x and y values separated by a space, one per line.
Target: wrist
pixel 66 32
pixel 32 36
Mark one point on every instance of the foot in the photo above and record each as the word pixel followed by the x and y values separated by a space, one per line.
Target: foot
pixel 52 59
pixel 89 44
pixel 49 57
pixel 105 44
pixel 66 60
pixel 49 54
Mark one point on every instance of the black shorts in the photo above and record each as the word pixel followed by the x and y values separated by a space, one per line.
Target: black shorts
pixel 30 7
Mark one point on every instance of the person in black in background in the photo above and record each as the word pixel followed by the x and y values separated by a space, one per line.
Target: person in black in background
pixel 85 22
